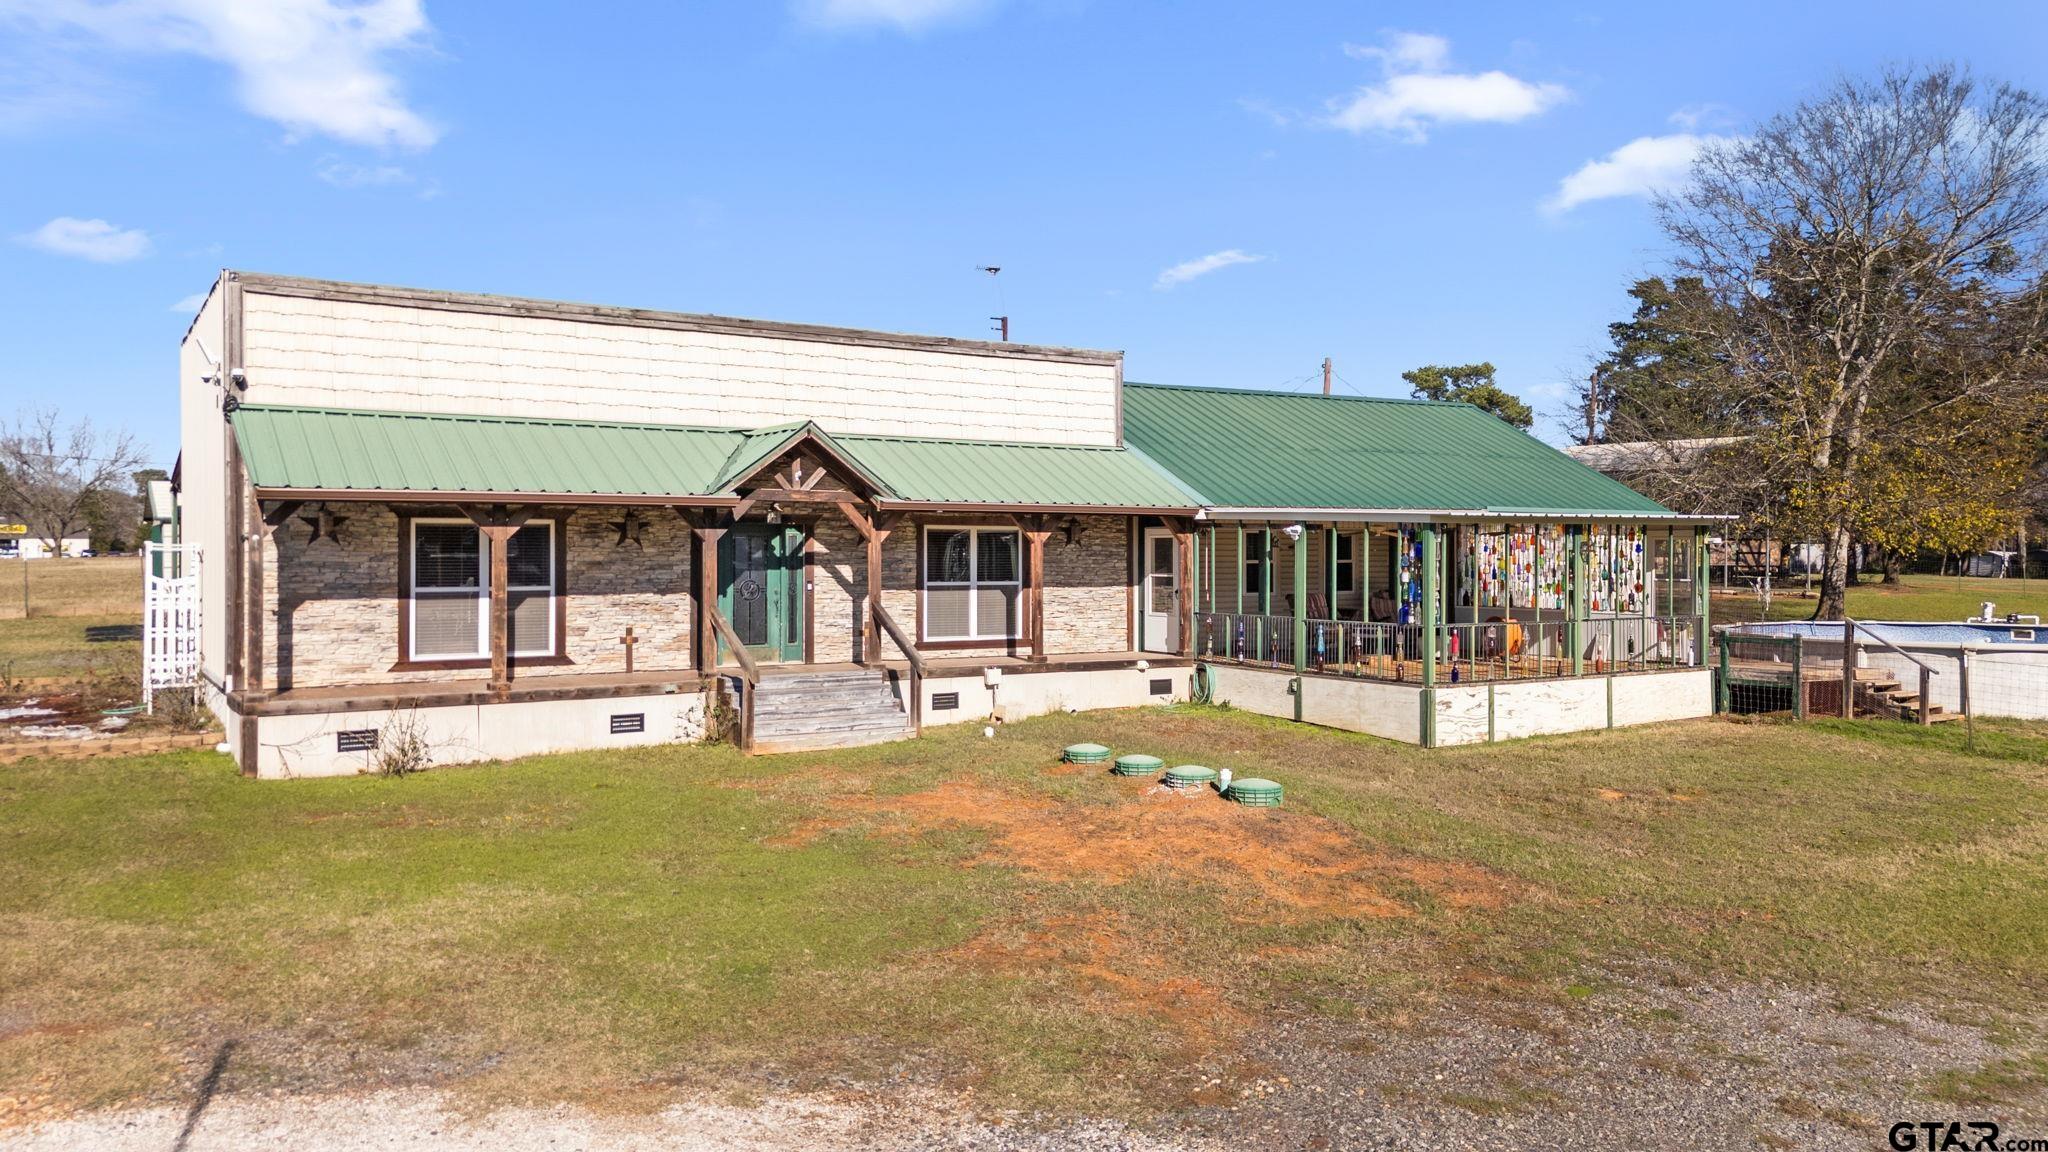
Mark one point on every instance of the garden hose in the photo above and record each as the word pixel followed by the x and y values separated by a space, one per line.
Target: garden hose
pixel 1201 685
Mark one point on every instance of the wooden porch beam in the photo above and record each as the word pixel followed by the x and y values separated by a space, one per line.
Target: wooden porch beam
pixel 1184 545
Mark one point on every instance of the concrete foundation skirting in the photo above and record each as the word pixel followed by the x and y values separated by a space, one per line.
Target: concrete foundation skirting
pixel 1468 713
pixel 313 745
pixel 1019 694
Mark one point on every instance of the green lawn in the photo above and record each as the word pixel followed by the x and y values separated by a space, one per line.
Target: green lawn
pixel 1914 598
pixel 610 924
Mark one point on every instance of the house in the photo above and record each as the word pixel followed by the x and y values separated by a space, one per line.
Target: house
pixel 494 526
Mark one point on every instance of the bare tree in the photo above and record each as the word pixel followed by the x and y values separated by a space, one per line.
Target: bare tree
pixel 51 474
pixel 1879 229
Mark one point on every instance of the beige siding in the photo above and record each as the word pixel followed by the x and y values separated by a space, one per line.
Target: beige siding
pixel 414 358
pixel 202 439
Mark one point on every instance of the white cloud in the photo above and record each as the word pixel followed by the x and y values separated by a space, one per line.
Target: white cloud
pixel 1188 270
pixel 190 304
pixel 1406 52
pixel 343 174
pixel 902 15
pixel 94 240
pixel 1417 91
pixel 1642 167
pixel 315 66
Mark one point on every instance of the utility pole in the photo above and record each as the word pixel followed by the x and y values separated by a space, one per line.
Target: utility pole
pixel 1326 375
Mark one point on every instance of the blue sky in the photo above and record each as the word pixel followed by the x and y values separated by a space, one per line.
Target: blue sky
pixel 1227 192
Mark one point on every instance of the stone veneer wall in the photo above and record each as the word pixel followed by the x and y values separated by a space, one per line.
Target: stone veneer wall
pixel 614 586
pixel 332 607
pixel 1087 606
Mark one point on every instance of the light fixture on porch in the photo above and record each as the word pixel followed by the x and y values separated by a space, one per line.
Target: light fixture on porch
pixel 774 515
pixel 1293 531
pixel 1070 527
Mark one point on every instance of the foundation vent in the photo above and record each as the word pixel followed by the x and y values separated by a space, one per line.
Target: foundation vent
pixel 625 722
pixel 1162 687
pixel 945 701
pixel 356 740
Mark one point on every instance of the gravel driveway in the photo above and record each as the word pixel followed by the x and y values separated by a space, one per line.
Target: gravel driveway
pixel 1640 1063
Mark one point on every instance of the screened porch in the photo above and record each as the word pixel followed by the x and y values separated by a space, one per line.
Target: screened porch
pixel 1436 603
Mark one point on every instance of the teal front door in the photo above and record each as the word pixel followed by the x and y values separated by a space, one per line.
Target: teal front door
pixel 761 589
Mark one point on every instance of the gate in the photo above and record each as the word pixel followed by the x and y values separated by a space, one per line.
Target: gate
pixel 170 619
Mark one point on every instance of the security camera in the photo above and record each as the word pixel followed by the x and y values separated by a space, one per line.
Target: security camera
pixel 239 377
pixel 1293 531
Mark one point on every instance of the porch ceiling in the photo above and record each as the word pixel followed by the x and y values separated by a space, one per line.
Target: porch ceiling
pixel 328 451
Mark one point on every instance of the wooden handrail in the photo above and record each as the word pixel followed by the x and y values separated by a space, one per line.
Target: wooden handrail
pixel 749 670
pixel 902 639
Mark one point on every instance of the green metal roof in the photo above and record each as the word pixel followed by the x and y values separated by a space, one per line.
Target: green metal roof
pixel 341 449
pixel 331 449
pixel 1248 449
pixel 919 470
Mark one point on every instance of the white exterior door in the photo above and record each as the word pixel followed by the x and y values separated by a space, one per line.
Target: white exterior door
pixel 1160 595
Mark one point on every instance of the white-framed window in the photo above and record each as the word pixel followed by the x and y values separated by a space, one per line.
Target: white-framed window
pixel 973 581
pixel 451 590
pixel 530 583
pixel 1347 563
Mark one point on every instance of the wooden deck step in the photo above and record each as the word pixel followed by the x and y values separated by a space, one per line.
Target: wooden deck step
pixel 810 711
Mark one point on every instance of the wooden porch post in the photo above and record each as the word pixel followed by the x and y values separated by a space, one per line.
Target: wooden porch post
pixel 704 648
pixel 500 536
pixel 871 642
pixel 1184 544
pixel 1035 533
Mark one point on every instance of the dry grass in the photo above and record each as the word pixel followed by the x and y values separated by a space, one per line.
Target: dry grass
pixel 101 586
pixel 607 926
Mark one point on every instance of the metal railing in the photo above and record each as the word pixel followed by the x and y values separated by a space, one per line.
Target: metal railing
pixel 1490 650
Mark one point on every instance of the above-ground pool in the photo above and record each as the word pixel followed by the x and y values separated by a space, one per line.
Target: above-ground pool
pixel 1909 632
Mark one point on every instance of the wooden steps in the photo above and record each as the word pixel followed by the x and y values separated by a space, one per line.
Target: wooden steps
pixel 809 711
pixel 1880 693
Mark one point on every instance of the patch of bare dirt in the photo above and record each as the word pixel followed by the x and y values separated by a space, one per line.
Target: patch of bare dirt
pixel 1299 864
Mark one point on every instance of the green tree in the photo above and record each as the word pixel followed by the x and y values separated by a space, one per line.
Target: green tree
pixel 1661 379
pixel 1469 384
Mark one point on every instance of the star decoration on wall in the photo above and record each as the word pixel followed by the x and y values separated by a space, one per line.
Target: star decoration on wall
pixel 325 524
pixel 628 527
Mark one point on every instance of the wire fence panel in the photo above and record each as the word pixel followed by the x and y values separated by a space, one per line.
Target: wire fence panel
pixel 1757 675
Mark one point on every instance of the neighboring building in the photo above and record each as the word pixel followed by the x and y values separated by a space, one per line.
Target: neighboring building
pixel 38 548
pixel 510 526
